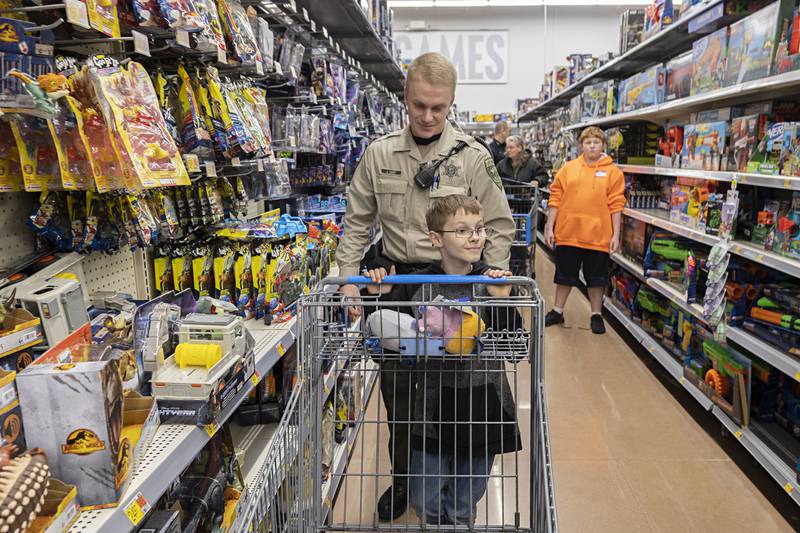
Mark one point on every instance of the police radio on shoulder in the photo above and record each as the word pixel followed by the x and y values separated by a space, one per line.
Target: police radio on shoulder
pixel 427 175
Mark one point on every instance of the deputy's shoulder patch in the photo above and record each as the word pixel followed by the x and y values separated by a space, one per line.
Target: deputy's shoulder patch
pixel 492 171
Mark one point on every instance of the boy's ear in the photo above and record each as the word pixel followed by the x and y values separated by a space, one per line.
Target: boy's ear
pixel 435 238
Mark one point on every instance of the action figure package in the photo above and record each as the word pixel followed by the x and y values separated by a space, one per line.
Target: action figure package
pixel 211 37
pixel 130 103
pixel 745 135
pixel 708 61
pixel 679 77
pixel 787 56
pixel 670 147
pixel 182 14
pixel 657 16
pixel 642 90
pixel 239 33
pixel 775 147
pixel 704 145
pixel 751 46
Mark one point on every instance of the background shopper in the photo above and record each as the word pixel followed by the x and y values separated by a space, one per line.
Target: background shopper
pixel 498 144
pixel 583 223
pixel 520 165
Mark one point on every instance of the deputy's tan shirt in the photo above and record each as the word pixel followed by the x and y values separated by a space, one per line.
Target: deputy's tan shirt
pixel 383 186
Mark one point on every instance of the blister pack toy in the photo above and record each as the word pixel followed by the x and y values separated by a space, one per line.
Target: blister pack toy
pixel 211 36
pixel 182 14
pixel 239 32
pixel 196 139
pixel 103 17
pixel 10 168
pixel 130 104
pixel 37 152
pixel 147 14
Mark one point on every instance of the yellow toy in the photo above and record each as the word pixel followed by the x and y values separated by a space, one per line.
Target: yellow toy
pixel 205 355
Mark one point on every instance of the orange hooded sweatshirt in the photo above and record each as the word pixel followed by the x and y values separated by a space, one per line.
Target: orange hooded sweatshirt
pixel 586 196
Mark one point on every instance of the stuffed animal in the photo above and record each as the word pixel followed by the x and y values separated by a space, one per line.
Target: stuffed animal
pixel 460 327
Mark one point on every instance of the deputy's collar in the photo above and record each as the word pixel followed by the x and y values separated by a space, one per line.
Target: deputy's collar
pixel 440 147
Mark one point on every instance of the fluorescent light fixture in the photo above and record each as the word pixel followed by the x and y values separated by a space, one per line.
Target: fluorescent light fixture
pixel 394 4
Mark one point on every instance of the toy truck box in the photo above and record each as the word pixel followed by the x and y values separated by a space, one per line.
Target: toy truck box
pixel 211 364
pixel 72 402
pixel 642 90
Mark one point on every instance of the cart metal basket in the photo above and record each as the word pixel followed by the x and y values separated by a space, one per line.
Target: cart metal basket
pixel 523 199
pixel 450 417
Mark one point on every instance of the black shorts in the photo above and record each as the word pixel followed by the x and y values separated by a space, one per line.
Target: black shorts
pixel 570 260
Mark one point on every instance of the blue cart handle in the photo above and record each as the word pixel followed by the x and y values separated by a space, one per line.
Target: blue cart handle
pixel 416 279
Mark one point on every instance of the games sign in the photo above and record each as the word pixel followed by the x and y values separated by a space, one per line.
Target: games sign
pixel 479 56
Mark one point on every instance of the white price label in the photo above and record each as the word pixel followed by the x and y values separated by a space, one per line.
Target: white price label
pixel 140 43
pixel 222 57
pixel 182 37
pixel 260 164
pixel 77 13
pixel 236 162
pixel 292 72
pixel 278 68
pixel 260 68
pixel 211 169
pixel 192 163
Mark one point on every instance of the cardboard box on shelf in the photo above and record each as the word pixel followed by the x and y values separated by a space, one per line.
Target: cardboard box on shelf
pixel 60 509
pixel 704 145
pixel 751 45
pixel 679 77
pixel 11 428
pixel 708 61
pixel 642 90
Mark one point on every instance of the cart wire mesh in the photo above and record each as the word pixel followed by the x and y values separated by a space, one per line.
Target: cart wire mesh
pixel 458 415
pixel 523 200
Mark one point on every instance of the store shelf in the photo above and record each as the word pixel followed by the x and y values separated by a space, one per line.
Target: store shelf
pixel 670 42
pixel 175 446
pixel 340 362
pixel 349 25
pixel 761 452
pixel 763 89
pixel 777 358
pixel 658 218
pixel 745 178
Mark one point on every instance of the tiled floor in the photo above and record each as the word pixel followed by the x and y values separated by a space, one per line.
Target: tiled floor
pixel 626 455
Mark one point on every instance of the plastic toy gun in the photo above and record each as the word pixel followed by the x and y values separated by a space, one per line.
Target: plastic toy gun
pixel 669 249
pixel 764 310
pixel 648 301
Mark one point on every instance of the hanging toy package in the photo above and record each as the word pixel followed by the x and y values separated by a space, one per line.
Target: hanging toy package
pixel 130 103
pixel 37 151
pixel 10 168
pixel 196 139
pixel 182 14
pixel 244 46
pixel 211 37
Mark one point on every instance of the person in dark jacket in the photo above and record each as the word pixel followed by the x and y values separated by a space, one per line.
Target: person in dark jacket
pixel 464 409
pixel 498 144
pixel 520 165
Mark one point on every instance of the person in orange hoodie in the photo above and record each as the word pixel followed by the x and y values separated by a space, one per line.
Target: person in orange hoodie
pixel 583 223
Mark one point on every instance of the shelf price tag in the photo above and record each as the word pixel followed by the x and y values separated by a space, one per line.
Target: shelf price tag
pixel 260 68
pixel 788 488
pixel 281 349
pixel 682 380
pixel 140 43
pixel 77 13
pixel 738 434
pixel 211 429
pixel 255 378
pixel 211 169
pixel 236 162
pixel 182 38
pixel 260 164
pixel 222 57
pixel 192 163
pixel 278 68
pixel 137 509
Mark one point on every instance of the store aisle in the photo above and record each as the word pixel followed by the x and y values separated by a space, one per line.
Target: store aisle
pixel 627 456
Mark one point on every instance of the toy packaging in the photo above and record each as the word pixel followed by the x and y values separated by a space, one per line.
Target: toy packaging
pixel 779 142
pixel 182 14
pixel 630 31
pixel 689 201
pixel 724 376
pixel 670 147
pixel 745 135
pixel 634 239
pixel 787 55
pixel 657 16
pixel 239 33
pixel 642 90
pixel 679 77
pixel 594 101
pixel 708 61
pixel 704 145
pixel 751 46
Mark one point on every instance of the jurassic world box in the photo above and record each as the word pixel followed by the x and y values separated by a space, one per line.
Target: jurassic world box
pixel 72 405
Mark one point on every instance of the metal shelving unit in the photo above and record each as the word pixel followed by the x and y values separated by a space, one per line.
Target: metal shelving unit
pixel 175 446
pixel 745 178
pixel 672 41
pixel 761 89
pixel 350 26
pixel 761 452
pixel 779 359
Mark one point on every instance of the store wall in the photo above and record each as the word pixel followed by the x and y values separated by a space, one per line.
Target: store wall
pixel 570 29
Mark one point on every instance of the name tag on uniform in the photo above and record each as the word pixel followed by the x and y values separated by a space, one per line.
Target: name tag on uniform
pixel 390 172
pixel 600 174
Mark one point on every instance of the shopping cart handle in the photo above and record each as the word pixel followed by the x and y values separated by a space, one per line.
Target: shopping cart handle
pixel 416 279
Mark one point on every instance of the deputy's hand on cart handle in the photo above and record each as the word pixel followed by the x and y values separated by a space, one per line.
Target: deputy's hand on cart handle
pixel 498 291
pixel 377 275
pixel 352 294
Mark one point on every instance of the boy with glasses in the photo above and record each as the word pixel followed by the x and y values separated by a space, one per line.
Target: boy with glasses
pixel 464 411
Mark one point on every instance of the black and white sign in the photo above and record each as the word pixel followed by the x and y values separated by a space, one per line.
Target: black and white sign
pixel 479 56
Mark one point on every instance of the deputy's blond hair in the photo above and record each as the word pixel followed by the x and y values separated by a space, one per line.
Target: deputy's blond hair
pixel 433 68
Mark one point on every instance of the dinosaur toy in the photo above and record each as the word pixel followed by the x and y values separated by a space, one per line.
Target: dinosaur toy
pixel 41 100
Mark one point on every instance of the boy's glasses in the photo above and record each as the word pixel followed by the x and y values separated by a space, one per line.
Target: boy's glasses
pixel 464 233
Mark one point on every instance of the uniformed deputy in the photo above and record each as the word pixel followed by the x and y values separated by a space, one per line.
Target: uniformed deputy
pixel 384 186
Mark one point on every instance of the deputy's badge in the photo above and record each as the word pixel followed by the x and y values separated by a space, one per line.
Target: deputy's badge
pixel 492 171
pixel 450 170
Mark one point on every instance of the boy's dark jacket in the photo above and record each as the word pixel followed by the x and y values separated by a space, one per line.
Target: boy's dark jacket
pixel 464 405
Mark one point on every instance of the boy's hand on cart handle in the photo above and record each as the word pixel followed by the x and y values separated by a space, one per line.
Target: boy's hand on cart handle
pixel 377 275
pixel 498 290
pixel 353 295
pixel 549 237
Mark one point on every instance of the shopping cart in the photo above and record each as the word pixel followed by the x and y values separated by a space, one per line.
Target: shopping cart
pixel 471 357
pixel 523 199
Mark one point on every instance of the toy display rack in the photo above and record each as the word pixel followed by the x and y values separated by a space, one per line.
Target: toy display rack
pixel 744 178
pixel 175 446
pixel 671 41
pixel 755 90
pixel 769 460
